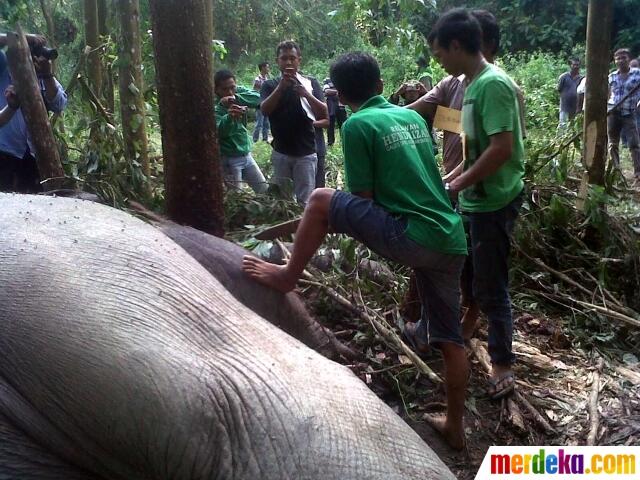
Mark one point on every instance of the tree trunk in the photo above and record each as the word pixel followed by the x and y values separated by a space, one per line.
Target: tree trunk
pixel 184 73
pixel 48 18
pixel 34 110
pixel 107 74
pixel 92 39
pixel 208 5
pixel 599 23
pixel 131 87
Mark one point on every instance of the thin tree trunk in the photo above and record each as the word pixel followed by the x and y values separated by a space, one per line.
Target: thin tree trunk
pixel 184 73
pixel 599 23
pixel 48 18
pixel 34 110
pixel 131 87
pixel 92 39
pixel 108 86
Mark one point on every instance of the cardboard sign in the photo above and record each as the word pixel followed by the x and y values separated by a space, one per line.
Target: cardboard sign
pixel 448 119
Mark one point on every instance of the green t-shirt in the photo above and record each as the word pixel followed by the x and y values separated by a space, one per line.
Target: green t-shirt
pixel 388 150
pixel 490 107
pixel 233 137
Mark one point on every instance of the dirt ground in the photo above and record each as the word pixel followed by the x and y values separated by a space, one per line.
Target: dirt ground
pixel 554 376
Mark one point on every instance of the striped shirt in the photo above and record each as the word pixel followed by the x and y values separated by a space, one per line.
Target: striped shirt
pixel 620 87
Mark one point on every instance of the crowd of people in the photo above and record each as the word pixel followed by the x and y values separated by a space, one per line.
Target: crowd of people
pixel 398 205
pixel 623 105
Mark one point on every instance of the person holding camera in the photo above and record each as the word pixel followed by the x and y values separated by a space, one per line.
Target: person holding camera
pixel 408 92
pixel 295 105
pixel 233 137
pixel 18 167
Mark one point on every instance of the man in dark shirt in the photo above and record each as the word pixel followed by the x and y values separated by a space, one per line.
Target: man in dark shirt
pixel 295 105
pixel 568 89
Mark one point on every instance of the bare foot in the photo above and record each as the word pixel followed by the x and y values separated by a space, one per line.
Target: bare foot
pixel 453 434
pixel 269 274
pixel 470 321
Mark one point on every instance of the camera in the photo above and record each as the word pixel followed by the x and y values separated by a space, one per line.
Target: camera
pixel 42 51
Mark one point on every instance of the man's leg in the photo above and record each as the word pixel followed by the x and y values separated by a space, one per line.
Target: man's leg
pixel 309 236
pixel 633 141
pixel 282 170
pixel 265 128
pixel 8 166
pixel 614 126
pixel 252 174
pixel 259 122
pixel 304 177
pixel 440 295
pixel 28 176
pixel 331 131
pixel 320 173
pixel 490 238
pixel 232 169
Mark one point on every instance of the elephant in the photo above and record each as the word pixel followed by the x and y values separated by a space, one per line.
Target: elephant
pixel 223 259
pixel 121 357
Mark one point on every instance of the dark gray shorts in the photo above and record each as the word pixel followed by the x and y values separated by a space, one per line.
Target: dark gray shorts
pixel 437 274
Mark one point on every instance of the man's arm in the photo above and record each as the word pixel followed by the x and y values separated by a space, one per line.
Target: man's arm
pixel 248 98
pixel 13 103
pixel 497 154
pixel 426 109
pixel 271 97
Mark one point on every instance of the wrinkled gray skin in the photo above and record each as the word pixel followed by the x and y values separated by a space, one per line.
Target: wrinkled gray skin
pixel 223 260
pixel 121 357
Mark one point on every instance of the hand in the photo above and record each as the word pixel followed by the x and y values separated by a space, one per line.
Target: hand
pixel 421 88
pixel 228 101
pixel 43 66
pixel 289 78
pixel 402 89
pixel 237 111
pixel 300 90
pixel 11 97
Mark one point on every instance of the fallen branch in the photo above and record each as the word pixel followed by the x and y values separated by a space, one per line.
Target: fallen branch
pixel 483 357
pixel 594 415
pixel 621 313
pixel 537 416
pixel 380 325
pixel 101 110
pixel 384 331
pixel 515 417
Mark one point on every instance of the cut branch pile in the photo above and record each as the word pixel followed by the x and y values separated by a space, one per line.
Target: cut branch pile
pixel 587 263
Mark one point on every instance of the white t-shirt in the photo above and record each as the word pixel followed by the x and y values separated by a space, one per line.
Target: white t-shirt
pixel 581 89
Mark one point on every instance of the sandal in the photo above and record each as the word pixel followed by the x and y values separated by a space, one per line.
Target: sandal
pixel 494 393
pixel 422 349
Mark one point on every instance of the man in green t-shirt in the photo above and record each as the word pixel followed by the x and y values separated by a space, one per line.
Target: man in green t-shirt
pixel 398 207
pixel 491 183
pixel 231 123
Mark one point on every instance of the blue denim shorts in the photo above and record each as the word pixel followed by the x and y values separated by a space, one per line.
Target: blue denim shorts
pixel 437 274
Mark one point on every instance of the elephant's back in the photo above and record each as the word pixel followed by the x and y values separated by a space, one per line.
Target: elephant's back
pixel 142 365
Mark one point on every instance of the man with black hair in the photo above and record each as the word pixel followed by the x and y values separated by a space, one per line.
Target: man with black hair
pixel 622 85
pixel 262 121
pixel 568 90
pixel 231 122
pixel 18 166
pixel 449 92
pixel 398 208
pixel 295 105
pixel 491 184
